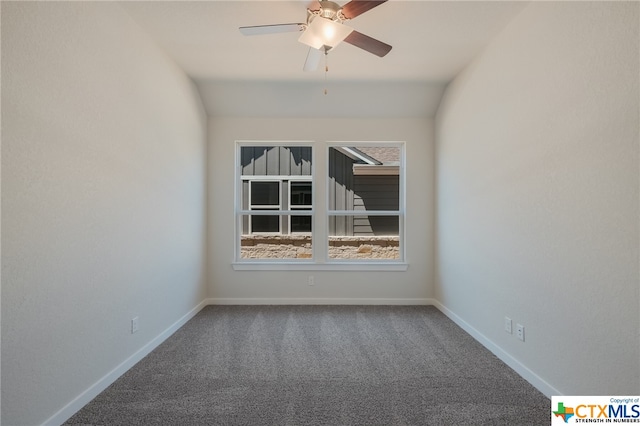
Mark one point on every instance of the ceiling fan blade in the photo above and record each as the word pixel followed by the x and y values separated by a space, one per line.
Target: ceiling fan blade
pixel 367 43
pixel 358 7
pixel 272 29
pixel 313 59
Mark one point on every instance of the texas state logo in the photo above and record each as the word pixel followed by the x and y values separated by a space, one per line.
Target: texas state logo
pixel 595 409
pixel 565 413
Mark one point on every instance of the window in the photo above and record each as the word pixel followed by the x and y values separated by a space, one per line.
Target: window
pixel 276 193
pixel 359 219
pixel 364 191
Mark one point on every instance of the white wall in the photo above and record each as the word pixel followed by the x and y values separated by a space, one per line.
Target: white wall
pixel 306 99
pixel 413 285
pixel 103 174
pixel 537 194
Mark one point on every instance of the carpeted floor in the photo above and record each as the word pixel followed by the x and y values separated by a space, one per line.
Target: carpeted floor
pixel 318 365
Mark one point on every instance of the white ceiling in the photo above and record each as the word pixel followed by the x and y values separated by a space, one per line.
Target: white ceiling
pixel 432 41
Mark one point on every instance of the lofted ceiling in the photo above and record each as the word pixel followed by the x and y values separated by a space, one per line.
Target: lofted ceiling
pixel 432 42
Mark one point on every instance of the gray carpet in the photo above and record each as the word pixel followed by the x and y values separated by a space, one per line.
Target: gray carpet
pixel 318 365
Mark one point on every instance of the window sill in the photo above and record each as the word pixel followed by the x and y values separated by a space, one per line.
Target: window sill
pixel 311 266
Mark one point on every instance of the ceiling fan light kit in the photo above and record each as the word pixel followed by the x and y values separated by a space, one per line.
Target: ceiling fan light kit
pixel 324 29
pixel 323 32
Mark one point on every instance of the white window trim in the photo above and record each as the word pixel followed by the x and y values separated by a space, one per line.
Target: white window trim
pixel 315 264
pixel 293 265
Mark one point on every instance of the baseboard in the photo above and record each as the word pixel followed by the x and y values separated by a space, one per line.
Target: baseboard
pixel 316 301
pixel 516 365
pixel 85 397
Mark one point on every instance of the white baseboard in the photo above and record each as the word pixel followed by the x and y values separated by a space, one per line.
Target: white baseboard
pixel 516 365
pixel 316 301
pixel 85 397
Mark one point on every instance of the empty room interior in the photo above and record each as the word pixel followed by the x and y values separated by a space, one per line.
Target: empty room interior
pixel 486 153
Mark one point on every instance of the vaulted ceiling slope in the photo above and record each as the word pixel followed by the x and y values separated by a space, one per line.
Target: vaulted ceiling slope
pixel 432 41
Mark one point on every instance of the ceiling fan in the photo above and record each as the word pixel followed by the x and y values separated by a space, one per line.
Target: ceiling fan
pixel 325 29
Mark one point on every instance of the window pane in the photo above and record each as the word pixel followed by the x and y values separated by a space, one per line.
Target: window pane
pixel 364 237
pixel 300 223
pixel 275 160
pixel 364 178
pixel 265 193
pixel 376 226
pixel 275 246
pixel 301 194
pixel 265 223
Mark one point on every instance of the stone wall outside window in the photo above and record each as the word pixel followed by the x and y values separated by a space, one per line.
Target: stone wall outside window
pixel 299 247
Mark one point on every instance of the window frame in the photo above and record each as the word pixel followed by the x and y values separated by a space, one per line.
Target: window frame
pixel 319 211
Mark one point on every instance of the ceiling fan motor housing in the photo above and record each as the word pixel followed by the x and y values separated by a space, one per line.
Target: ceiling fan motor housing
pixel 328 10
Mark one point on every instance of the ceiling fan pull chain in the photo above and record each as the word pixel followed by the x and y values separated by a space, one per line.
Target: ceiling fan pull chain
pixel 326 68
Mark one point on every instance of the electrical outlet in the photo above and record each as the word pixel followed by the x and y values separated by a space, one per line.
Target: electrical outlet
pixel 135 325
pixel 311 280
pixel 507 325
pixel 520 331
